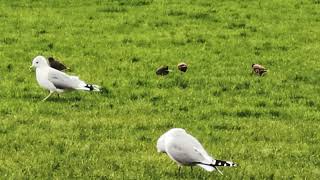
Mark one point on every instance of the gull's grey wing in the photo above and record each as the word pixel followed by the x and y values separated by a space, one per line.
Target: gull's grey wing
pixel 63 81
pixel 183 150
pixel 199 148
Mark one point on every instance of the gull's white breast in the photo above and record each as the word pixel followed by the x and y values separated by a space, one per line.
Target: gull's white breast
pixel 42 78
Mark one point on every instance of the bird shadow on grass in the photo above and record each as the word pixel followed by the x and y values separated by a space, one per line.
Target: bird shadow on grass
pixel 53 98
pixel 187 173
pixel 64 99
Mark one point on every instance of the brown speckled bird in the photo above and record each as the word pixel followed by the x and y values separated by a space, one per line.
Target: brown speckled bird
pixel 258 69
pixel 163 70
pixel 182 67
pixel 56 64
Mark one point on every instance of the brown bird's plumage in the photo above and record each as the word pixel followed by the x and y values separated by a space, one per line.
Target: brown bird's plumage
pixel 258 69
pixel 163 70
pixel 56 64
pixel 182 67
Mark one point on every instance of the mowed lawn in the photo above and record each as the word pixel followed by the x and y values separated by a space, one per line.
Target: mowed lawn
pixel 269 125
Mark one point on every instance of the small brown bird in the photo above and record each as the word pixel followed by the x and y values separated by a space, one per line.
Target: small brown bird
pixel 163 70
pixel 258 69
pixel 56 64
pixel 182 67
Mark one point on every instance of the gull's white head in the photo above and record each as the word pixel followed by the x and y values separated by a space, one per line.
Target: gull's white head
pixel 174 131
pixel 161 144
pixel 161 141
pixel 39 61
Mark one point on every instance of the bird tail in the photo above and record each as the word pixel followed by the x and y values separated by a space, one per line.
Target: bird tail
pixel 81 85
pixel 91 87
pixel 223 163
pixel 88 87
pixel 215 163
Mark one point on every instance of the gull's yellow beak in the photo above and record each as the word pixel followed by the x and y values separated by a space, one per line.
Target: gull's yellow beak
pixel 30 68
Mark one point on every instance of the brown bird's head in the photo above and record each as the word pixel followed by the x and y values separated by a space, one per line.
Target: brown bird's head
pixel 182 67
pixel 163 70
pixel 258 66
pixel 259 69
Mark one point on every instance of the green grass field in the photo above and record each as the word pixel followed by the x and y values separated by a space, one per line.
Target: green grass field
pixel 269 125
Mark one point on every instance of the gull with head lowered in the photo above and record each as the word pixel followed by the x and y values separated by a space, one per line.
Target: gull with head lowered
pixel 186 150
pixel 57 81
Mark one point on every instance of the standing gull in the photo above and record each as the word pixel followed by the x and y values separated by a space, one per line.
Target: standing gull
pixel 186 150
pixel 57 81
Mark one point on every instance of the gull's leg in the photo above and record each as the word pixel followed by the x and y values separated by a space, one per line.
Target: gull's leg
pixel 58 92
pixel 51 92
pixel 218 170
pixel 191 169
pixel 178 173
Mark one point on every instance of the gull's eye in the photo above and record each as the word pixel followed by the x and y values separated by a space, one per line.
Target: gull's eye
pixel 37 62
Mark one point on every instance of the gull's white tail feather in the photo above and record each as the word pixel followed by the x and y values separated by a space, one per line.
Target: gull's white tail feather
pixel 207 167
pixel 81 85
pixel 89 87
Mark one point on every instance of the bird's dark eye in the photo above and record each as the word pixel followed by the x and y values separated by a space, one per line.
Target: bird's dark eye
pixel 37 62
